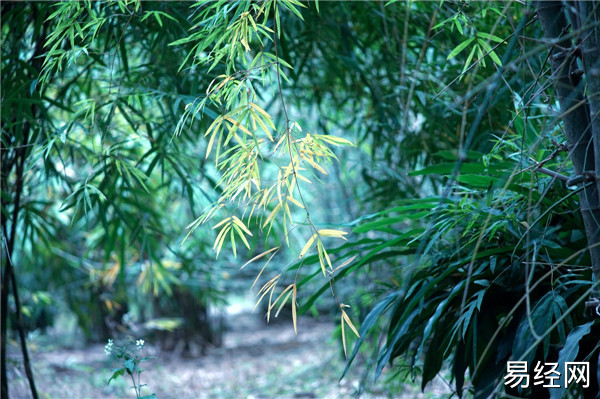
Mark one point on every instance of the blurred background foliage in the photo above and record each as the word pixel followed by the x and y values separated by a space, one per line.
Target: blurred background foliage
pixel 462 254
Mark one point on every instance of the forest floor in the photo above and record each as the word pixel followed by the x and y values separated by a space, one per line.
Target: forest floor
pixel 257 361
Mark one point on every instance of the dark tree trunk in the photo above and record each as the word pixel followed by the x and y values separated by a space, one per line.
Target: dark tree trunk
pixel 579 112
pixel 15 143
pixel 589 13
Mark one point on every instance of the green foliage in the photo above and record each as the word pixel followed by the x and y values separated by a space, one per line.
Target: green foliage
pixel 105 189
pixel 459 300
pixel 126 354
pixel 124 121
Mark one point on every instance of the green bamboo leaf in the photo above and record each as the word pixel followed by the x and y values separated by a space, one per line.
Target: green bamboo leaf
pixel 569 352
pixel 460 48
pixel 487 36
pixel 490 52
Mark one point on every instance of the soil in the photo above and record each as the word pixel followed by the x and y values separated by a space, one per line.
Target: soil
pixel 256 361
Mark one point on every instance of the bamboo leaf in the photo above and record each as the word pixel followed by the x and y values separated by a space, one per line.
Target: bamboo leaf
pixel 241 225
pixel 307 245
pixel 354 330
pixel 460 48
pixel 487 36
pixel 343 335
pixel 257 257
pixel 332 233
pixel 294 314
pixel 295 202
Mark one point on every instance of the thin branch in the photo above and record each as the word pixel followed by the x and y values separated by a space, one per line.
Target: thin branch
pixel 552 173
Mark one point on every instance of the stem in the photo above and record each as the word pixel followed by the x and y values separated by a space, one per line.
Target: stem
pixel 137 394
pixel 552 173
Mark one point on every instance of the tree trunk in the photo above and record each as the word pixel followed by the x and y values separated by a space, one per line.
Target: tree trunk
pixel 16 149
pixel 581 125
pixel 589 13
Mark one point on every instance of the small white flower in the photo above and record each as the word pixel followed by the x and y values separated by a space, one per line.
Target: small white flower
pixel 140 344
pixel 108 347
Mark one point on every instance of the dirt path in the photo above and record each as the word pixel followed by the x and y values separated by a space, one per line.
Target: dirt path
pixel 256 361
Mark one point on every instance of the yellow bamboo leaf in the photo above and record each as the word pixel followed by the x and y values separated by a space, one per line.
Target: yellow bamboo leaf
pixel 343 335
pixel 210 145
pixel 222 232
pixel 270 306
pixel 314 165
pixel 214 126
pixel 265 197
pixel 256 118
pixel 307 245
pixel 248 190
pixel 221 222
pixel 238 125
pixel 295 202
pixel 283 303
pixel 332 233
pixel 280 142
pixel 335 140
pixel 269 285
pixel 245 44
pixel 354 330
pixel 211 213
pixel 346 262
pixel 289 169
pixel 256 180
pixel 279 195
pixel 242 236
pixel 327 258
pixel 227 79
pixel 291 186
pixel 220 239
pixel 263 112
pixel 294 317
pixel 299 176
pixel 241 224
pixel 288 288
pixel 259 256
pixel 320 250
pixel 272 215
pixel 253 209
pixel 261 270
pixel 259 274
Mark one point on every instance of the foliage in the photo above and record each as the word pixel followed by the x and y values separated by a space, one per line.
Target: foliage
pixel 104 157
pixel 126 354
pixel 468 241
pixel 461 302
pixel 240 41
pixel 494 269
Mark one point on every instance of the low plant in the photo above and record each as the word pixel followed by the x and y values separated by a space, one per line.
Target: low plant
pixel 127 354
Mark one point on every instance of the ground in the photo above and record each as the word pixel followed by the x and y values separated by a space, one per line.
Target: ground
pixel 256 361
